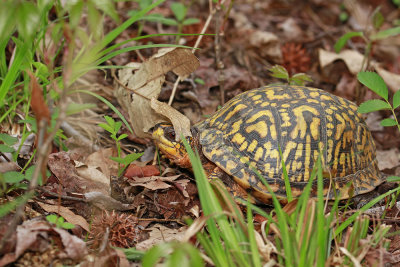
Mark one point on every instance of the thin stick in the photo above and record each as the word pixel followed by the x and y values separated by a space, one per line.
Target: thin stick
pixel 196 45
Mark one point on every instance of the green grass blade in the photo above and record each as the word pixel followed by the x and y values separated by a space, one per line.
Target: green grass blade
pixel 105 101
pixel 286 177
pixel 256 262
pixel 354 216
pixel 320 215
pixel 13 72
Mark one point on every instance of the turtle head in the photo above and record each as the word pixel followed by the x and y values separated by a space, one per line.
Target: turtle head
pixel 165 139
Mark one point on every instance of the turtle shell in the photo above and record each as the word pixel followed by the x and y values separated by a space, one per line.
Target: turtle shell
pixel 244 137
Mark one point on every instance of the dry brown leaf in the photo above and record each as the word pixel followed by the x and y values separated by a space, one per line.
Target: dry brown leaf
pixel 64 169
pixel 180 122
pixel 29 231
pixel 160 234
pixel 67 214
pixel 154 182
pixel 268 43
pixel 141 116
pixel 91 173
pixel 392 79
pixel 8 166
pixel 135 170
pixel 354 60
pixel 146 83
pixel 73 245
pixel 195 227
pixel 101 159
pixel 388 159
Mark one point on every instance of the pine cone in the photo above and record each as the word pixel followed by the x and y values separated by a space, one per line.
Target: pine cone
pixel 123 229
pixel 295 58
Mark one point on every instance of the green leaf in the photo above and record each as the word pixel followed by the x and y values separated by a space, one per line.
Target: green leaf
pixel 145 3
pixel 373 105
pixel 106 127
pixel 373 81
pixel 29 174
pixel 179 10
pixel 132 254
pixel 13 177
pixel 300 78
pixel 117 126
pixel 8 139
pixel 279 72
pixel 377 18
pixel 74 108
pixel 127 159
pixel 41 69
pixel 393 179
pixel 190 21
pixel 388 122
pixel 386 33
pixel 159 18
pixel 94 20
pixel 199 81
pixel 343 16
pixel 396 99
pixel 7 19
pixel 110 121
pixel 52 218
pixel 343 40
pixel 122 136
pixel 67 225
pixel 11 205
pixel 75 9
pixel 107 7
pixel 6 149
pixel 27 19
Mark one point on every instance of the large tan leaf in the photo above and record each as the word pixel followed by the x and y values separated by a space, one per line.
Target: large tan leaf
pixel 354 61
pixel 146 83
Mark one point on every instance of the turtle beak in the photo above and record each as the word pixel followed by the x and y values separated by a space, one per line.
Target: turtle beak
pixel 164 140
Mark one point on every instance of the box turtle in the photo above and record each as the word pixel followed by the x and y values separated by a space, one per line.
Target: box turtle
pixel 243 138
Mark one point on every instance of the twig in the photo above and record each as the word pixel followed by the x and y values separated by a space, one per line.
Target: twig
pixel 161 220
pixel 220 64
pixel 126 87
pixel 70 131
pixel 196 45
pixel 57 195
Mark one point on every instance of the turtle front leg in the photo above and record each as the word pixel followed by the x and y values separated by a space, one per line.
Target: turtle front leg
pixel 238 192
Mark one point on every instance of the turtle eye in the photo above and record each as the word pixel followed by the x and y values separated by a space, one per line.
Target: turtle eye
pixel 170 134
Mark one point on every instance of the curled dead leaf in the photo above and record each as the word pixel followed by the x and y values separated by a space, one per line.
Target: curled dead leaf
pixel 354 61
pixel 146 84
pixel 180 122
pixel 138 171
pixel 67 214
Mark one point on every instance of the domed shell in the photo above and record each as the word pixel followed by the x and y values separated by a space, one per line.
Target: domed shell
pixel 244 137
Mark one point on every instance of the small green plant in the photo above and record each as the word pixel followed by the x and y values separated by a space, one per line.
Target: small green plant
pixel 6 145
pixel 280 72
pixel 59 222
pixel 113 127
pixel 375 82
pixel 377 20
pixel 13 180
